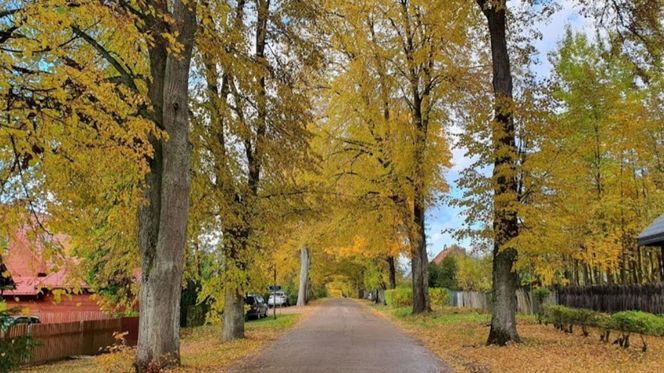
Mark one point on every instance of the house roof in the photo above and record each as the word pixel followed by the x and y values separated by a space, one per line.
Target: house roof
pixel 444 253
pixel 30 270
pixel 653 235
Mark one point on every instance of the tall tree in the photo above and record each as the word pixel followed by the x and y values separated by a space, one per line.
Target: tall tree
pixel 304 277
pixel 251 141
pixel 125 64
pixel 393 144
pixel 163 219
pixel 505 200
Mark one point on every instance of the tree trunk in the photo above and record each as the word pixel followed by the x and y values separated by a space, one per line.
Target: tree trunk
pixel 392 271
pixel 304 277
pixel 505 223
pixel 163 219
pixel 420 263
pixel 380 295
pixel 233 315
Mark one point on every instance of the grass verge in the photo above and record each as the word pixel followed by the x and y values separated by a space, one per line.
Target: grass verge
pixel 200 349
pixel 458 336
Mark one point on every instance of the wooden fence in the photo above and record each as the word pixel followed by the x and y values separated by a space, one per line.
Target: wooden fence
pixel 482 301
pixel 74 316
pixel 59 341
pixel 615 298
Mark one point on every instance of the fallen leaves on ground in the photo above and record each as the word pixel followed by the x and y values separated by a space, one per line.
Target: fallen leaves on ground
pixel 201 349
pixel 459 336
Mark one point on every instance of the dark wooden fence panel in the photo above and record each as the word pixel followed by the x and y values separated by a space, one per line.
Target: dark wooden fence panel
pixel 615 298
pixel 61 340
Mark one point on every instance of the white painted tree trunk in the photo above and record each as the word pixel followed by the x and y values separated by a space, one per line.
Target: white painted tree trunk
pixel 304 277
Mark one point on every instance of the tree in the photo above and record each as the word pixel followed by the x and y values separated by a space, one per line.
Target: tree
pixel 635 29
pixel 505 219
pixel 163 219
pixel 473 274
pixel 304 277
pixel 443 275
pixel 587 207
pixel 392 145
pixel 251 149
pixel 95 96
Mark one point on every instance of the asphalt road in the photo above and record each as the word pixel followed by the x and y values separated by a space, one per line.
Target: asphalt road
pixel 342 336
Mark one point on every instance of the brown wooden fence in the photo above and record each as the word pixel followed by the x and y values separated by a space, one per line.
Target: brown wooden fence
pixel 72 316
pixel 615 298
pixel 59 341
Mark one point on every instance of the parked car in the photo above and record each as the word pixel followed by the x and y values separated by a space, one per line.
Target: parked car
pixel 15 320
pixel 279 299
pixel 257 307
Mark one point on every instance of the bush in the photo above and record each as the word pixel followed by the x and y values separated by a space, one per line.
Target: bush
pixel 564 318
pixel 643 323
pixel 540 295
pixel 13 351
pixel 321 292
pixel 626 322
pixel 638 322
pixel 399 297
pixel 403 297
pixel 439 297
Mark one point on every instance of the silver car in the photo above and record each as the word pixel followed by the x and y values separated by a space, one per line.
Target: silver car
pixel 279 299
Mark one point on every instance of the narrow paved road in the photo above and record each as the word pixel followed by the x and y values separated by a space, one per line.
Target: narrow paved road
pixel 342 336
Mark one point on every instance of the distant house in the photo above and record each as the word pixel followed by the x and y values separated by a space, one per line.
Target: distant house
pixel 448 251
pixel 653 235
pixel 40 286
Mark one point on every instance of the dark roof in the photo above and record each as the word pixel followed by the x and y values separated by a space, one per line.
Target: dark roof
pixel 654 234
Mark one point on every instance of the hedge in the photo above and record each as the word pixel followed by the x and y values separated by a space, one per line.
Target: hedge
pixel 625 322
pixel 403 297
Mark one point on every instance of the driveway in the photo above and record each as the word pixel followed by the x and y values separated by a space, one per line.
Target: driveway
pixel 343 336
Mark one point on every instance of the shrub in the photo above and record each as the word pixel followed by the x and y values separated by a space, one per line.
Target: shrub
pixel 321 292
pixel 626 322
pixel 399 297
pixel 540 294
pixel 564 318
pixel 403 297
pixel 13 351
pixel 439 297
pixel 643 323
pixel 638 322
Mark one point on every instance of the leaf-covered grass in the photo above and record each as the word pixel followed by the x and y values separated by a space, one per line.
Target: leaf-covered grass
pixel 448 315
pixel 459 336
pixel 201 349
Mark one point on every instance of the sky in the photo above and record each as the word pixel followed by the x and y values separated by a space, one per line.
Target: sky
pixel 442 217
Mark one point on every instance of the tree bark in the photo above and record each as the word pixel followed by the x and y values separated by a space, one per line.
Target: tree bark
pixel 233 314
pixel 420 265
pixel 163 219
pixel 505 222
pixel 392 271
pixel 304 277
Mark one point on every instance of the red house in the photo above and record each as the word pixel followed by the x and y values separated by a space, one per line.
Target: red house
pixel 40 286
